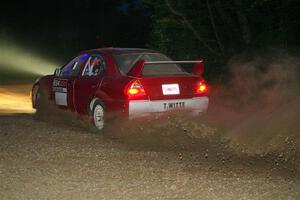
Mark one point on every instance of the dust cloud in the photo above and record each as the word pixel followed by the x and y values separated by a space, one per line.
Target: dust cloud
pixel 257 114
pixel 264 93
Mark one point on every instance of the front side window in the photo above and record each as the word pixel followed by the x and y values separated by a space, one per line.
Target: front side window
pixel 73 67
pixel 94 67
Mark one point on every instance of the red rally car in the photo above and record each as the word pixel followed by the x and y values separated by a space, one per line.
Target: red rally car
pixel 122 82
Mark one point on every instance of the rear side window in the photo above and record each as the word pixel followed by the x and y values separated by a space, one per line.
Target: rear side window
pixel 126 61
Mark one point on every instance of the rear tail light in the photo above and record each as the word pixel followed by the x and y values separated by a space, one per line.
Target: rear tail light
pixel 201 87
pixel 135 90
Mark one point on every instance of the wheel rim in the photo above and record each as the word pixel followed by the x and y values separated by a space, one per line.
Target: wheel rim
pixel 99 117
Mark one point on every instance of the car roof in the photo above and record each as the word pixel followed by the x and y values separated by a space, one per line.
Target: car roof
pixel 115 51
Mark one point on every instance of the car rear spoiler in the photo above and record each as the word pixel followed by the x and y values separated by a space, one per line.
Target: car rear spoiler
pixel 137 69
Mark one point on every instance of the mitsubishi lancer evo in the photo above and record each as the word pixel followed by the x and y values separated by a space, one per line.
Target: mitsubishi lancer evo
pixel 122 82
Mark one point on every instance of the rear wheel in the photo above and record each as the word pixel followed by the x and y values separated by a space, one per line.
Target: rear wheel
pixel 98 117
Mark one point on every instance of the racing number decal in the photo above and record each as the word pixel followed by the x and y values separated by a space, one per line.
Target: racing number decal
pixel 60 90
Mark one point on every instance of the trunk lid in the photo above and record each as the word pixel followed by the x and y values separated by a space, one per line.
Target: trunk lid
pixel 170 87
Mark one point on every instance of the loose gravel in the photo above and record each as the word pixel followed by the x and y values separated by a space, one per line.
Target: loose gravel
pixel 40 160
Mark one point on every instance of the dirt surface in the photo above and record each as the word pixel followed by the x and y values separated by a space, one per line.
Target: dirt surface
pixel 40 160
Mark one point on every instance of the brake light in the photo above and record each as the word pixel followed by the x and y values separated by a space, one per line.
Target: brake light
pixel 135 90
pixel 201 87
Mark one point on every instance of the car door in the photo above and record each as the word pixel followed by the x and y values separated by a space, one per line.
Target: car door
pixel 62 84
pixel 87 83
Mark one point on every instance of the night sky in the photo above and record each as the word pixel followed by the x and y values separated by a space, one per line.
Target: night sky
pixel 66 27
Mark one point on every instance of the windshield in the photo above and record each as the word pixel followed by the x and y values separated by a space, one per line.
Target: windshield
pixel 126 61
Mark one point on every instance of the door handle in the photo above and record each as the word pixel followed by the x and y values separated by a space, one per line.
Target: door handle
pixel 93 86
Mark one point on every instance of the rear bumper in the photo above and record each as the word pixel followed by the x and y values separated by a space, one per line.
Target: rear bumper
pixel 141 108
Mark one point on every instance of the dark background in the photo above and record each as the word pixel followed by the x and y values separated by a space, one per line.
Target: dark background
pixel 212 30
pixel 66 27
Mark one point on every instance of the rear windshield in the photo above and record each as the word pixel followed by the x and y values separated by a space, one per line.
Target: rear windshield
pixel 126 61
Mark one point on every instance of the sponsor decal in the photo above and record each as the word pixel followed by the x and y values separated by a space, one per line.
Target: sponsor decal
pixel 59 85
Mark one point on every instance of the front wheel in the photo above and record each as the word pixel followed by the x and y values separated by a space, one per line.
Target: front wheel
pixel 40 103
pixel 98 116
pixel 44 107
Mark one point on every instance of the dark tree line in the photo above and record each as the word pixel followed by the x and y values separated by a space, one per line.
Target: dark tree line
pixel 223 27
pixel 216 30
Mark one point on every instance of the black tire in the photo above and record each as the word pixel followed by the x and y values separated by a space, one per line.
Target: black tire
pixel 42 105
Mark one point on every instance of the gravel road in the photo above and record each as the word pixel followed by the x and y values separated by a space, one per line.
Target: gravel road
pixel 40 160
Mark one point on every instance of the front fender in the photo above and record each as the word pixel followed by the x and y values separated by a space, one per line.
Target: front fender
pixel 43 84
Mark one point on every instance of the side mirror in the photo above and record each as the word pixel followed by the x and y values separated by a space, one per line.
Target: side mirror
pixel 57 72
